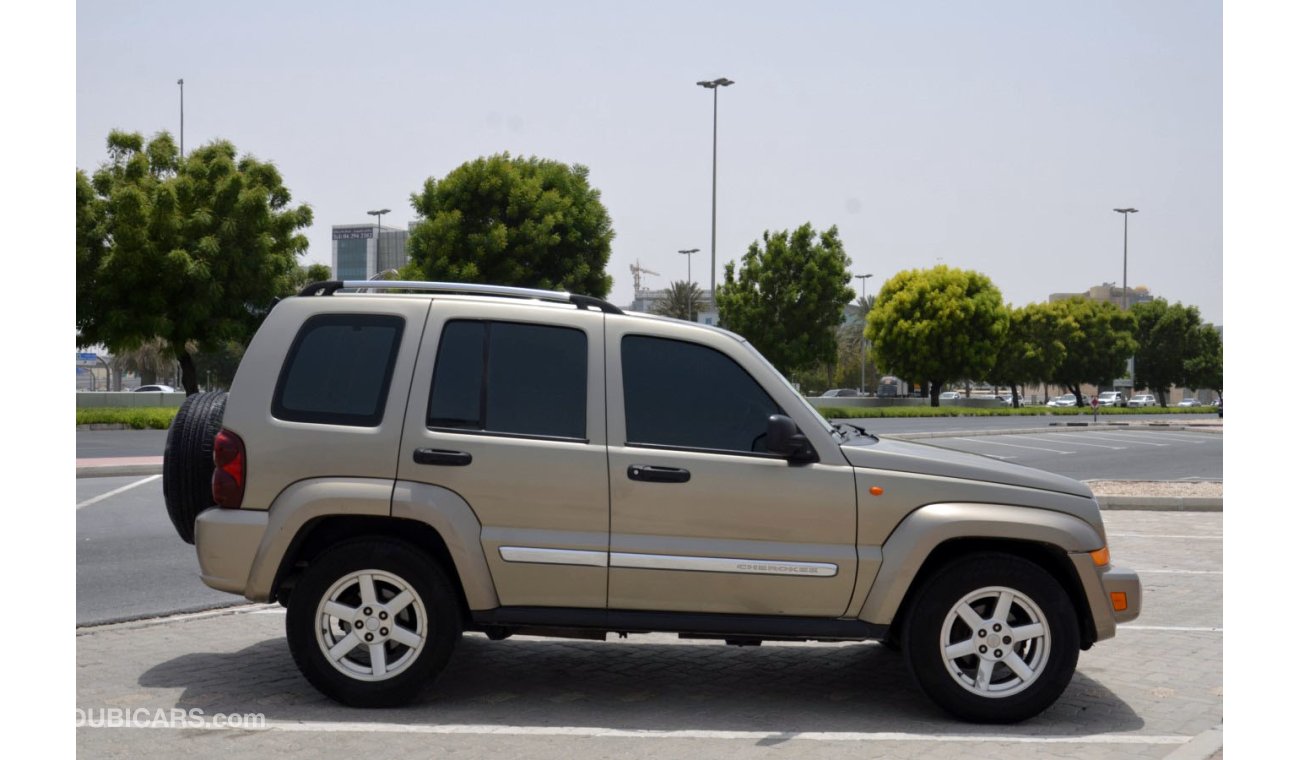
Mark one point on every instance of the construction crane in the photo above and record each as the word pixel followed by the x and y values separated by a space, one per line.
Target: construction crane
pixel 637 271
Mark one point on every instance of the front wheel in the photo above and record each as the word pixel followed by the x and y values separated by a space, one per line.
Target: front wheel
pixel 992 638
pixel 371 622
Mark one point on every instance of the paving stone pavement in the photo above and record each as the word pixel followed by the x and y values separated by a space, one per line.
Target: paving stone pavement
pixel 1145 693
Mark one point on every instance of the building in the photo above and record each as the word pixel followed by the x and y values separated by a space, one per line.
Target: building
pixel 1107 292
pixel 360 251
pixel 644 300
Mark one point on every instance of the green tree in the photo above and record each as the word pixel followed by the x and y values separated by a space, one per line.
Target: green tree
pixel 306 275
pixel 1168 337
pixel 1098 340
pixel 191 251
pixel 938 325
pixel 1205 367
pixel 683 300
pixel 1031 351
pixel 528 222
pixel 788 297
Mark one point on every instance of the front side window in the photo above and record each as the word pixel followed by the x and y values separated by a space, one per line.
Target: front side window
pixel 338 370
pixel 685 395
pixel 510 378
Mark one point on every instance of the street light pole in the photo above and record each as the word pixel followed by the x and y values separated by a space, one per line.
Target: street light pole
pixel 713 245
pixel 690 302
pixel 181 82
pixel 862 373
pixel 1124 295
pixel 379 232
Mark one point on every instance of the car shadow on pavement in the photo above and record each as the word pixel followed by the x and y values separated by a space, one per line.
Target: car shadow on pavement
pixel 631 686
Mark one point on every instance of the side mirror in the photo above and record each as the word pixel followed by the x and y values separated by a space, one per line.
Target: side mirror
pixel 784 439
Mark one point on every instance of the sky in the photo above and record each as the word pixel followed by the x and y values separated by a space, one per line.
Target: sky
pixel 993 136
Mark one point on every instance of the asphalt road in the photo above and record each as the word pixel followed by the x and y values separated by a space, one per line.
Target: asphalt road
pixel 131 564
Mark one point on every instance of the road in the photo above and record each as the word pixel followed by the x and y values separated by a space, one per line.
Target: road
pixel 131 564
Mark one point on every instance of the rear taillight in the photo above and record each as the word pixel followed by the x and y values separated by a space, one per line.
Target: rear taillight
pixel 228 477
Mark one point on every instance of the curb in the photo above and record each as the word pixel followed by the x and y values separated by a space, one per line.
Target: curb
pixel 117 470
pixel 1161 503
pixel 1203 746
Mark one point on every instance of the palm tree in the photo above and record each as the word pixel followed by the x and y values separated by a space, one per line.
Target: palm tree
pixel 682 300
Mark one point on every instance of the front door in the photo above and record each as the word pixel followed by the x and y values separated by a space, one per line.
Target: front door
pixel 702 518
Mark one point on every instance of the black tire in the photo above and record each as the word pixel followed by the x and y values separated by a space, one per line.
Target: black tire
pixel 978 581
pixel 335 575
pixel 187 459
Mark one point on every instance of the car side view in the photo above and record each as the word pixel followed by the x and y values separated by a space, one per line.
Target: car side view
pixel 398 468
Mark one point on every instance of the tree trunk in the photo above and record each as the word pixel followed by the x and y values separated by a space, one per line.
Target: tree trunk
pixel 935 385
pixel 189 375
pixel 1077 390
pixel 1015 397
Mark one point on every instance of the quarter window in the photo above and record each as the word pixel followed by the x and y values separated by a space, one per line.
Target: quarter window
pixel 686 395
pixel 512 378
pixel 338 370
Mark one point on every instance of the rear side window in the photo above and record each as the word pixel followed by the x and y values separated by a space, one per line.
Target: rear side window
pixel 510 378
pixel 339 369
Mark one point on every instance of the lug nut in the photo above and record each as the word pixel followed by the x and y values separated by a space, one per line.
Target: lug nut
pixel 1006 639
pixel 357 625
pixel 383 615
pixel 997 652
pixel 383 631
pixel 997 627
pixel 983 633
pixel 984 650
pixel 367 611
pixel 370 637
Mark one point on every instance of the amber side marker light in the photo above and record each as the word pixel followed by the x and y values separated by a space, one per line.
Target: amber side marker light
pixel 1101 557
pixel 1119 600
pixel 876 490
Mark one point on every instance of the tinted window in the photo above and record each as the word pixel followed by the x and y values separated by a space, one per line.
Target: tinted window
pixel 338 370
pixel 506 377
pixel 689 396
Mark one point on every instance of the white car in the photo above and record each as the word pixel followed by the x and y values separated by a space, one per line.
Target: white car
pixel 155 389
pixel 949 396
pixel 1066 400
pixel 1112 398
pixel 1191 401
pixel 1144 399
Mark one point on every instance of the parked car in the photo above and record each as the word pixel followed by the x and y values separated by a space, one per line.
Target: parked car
pixel 1066 400
pixel 841 393
pixel 1112 398
pixel 1143 399
pixel 419 489
pixel 1191 401
pixel 949 396
pixel 154 389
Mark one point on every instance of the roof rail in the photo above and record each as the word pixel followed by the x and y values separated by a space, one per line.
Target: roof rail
pixel 329 287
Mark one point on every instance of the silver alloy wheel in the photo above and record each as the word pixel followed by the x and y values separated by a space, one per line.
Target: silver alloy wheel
pixel 371 625
pixel 995 642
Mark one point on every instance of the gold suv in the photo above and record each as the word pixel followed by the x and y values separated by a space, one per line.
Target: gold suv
pixel 397 468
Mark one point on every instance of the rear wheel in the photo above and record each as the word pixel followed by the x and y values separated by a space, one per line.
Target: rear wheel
pixel 371 622
pixel 992 638
pixel 187 459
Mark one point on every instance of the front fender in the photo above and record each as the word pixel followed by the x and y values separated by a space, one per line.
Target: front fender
pixel 917 536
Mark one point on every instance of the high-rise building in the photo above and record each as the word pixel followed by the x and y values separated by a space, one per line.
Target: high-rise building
pixel 360 251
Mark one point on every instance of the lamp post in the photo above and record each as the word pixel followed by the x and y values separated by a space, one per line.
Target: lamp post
pixel 862 374
pixel 690 314
pixel 713 245
pixel 1124 294
pixel 181 82
pixel 379 232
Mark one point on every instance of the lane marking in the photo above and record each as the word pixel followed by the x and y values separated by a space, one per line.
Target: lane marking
pixel 116 491
pixel 1164 436
pixel 1174 628
pixel 622 733
pixel 1031 448
pixel 1179 572
pixel 1074 442
pixel 1161 535
pixel 1101 437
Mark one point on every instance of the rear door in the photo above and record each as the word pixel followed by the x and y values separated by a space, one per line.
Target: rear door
pixel 507 411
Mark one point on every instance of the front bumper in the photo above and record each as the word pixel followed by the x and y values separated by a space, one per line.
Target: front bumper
pixel 1099 583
